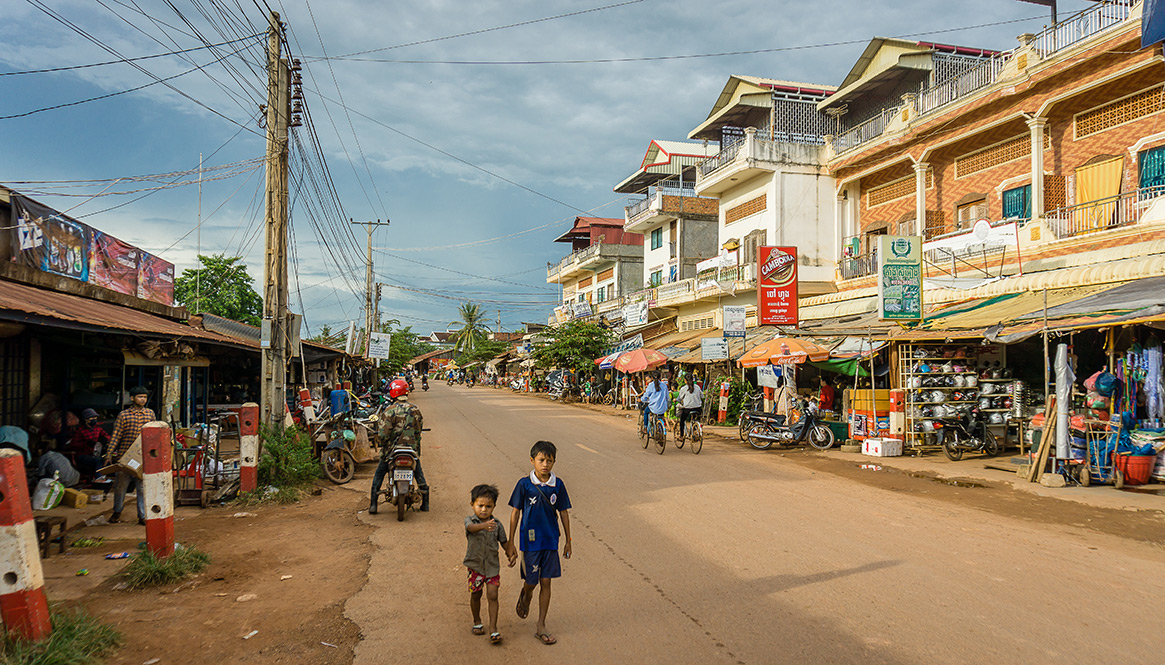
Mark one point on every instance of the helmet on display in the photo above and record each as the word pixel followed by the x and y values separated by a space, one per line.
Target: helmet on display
pixel 984 402
pixel 1007 403
pixel 1000 402
pixel 995 418
pixel 920 353
pixel 923 368
pixel 971 380
pixel 397 388
pixel 1007 372
pixel 927 412
pixel 916 382
pixel 927 426
pixel 948 367
pixel 949 381
pixel 959 368
pixel 960 381
pixel 987 389
pixel 938 396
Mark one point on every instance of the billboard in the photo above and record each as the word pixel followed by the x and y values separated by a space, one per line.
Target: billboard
pixel 900 278
pixel 53 242
pixel 734 317
pixel 776 286
pixel 378 345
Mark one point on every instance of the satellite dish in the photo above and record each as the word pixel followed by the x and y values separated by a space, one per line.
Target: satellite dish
pixel 982 230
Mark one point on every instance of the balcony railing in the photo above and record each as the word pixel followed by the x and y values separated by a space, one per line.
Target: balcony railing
pixel 726 155
pixel 864 131
pixel 1102 214
pixel 581 255
pixel 859 265
pixel 639 206
pixel 1082 26
pixel 934 97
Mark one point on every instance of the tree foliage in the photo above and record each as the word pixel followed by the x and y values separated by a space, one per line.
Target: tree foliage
pixel 471 331
pixel 485 350
pixel 574 345
pixel 405 346
pixel 220 285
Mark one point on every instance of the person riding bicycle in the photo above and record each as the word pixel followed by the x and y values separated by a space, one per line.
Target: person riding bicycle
pixel 401 424
pixel 654 399
pixel 690 401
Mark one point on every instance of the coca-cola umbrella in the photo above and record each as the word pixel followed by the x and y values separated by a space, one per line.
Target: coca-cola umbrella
pixel 640 360
pixel 784 350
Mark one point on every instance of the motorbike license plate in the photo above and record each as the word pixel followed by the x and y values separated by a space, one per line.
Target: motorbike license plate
pixel 402 474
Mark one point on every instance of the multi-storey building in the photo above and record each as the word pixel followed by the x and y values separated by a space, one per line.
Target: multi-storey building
pixel 605 262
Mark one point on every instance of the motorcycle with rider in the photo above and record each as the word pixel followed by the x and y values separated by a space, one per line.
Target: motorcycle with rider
pixel 400 439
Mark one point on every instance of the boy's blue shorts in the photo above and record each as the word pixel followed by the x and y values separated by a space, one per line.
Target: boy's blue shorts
pixel 539 564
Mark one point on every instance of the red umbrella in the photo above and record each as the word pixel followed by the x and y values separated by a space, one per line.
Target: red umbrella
pixel 640 360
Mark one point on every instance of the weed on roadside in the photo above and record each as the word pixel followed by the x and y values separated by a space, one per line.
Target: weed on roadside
pixel 77 638
pixel 144 569
pixel 286 460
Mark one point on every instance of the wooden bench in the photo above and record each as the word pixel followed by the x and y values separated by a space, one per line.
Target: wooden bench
pixel 44 534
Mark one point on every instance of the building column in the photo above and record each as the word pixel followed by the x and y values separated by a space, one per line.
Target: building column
pixel 920 169
pixel 1037 135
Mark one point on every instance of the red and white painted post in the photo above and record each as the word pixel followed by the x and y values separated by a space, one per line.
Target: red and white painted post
pixel 22 601
pixel 308 406
pixel 248 447
pixel 158 484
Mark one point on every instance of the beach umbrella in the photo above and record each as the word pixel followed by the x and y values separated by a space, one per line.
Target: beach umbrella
pixel 608 361
pixel 640 360
pixel 784 350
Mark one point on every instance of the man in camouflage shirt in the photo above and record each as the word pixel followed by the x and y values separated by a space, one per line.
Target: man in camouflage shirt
pixel 401 425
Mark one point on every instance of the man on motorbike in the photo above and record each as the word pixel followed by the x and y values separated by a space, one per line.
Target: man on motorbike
pixel 401 425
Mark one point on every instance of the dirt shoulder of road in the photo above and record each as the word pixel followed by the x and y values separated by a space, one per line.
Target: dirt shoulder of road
pixel 300 562
pixel 1139 517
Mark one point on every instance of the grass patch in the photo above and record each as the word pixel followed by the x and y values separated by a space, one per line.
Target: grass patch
pixel 269 495
pixel 144 569
pixel 286 460
pixel 88 542
pixel 77 638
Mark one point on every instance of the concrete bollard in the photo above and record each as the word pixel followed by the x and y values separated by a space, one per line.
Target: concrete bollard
pixel 158 484
pixel 23 606
pixel 248 447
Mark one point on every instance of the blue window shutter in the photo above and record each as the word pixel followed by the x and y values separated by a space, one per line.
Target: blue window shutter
pixel 1017 202
pixel 1152 163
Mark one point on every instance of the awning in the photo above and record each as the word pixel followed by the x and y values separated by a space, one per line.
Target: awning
pixel 853 347
pixel 846 366
pixel 736 345
pixel 1126 297
pixel 29 304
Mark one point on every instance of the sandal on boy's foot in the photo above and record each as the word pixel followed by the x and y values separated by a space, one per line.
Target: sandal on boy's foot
pixel 546 638
pixel 495 638
pixel 478 629
pixel 523 607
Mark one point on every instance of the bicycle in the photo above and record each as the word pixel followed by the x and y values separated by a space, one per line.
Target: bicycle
pixel 658 432
pixel 694 434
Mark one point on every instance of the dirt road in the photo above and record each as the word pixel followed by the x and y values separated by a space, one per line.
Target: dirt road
pixel 740 556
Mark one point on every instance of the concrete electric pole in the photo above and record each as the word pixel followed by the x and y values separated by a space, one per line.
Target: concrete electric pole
pixel 276 339
pixel 368 307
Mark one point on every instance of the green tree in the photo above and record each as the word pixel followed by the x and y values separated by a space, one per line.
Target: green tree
pixel 485 350
pixel 220 285
pixel 471 331
pixel 404 346
pixel 574 345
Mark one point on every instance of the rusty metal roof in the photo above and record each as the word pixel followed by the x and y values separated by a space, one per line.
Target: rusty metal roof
pixel 30 304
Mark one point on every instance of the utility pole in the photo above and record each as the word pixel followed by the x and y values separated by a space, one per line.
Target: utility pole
pixel 276 343
pixel 370 227
pixel 499 321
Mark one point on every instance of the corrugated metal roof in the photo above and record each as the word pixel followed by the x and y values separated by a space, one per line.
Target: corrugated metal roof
pixel 17 299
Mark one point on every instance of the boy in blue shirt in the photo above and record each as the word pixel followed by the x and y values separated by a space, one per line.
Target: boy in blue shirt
pixel 539 501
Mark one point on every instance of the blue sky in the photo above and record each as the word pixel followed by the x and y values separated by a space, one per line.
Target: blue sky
pixel 569 132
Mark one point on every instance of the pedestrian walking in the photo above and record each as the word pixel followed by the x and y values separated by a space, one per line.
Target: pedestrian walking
pixel 126 429
pixel 484 535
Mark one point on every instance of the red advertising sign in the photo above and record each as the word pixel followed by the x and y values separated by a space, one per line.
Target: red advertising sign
pixel 155 279
pixel 113 264
pixel 776 286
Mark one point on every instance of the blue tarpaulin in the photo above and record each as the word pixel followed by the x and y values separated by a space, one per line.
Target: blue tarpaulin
pixel 1152 22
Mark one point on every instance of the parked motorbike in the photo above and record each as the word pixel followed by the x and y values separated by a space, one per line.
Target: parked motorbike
pixel 752 416
pixel 773 428
pixel 966 432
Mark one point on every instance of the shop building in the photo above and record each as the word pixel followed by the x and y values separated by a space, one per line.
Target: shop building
pixel 605 263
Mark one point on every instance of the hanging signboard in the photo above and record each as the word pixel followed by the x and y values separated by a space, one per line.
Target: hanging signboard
pixel 582 309
pixel 629 344
pixel 378 345
pixel 49 241
pixel 714 348
pixel 776 287
pixel 155 279
pixel 766 377
pixel 900 278
pixel 635 314
pixel 113 264
pixel 734 316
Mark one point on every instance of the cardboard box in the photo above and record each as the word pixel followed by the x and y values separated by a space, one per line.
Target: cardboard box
pixel 130 462
pixel 882 447
pixel 74 498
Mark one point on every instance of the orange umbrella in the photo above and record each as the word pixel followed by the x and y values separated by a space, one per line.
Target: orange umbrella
pixel 784 350
pixel 640 360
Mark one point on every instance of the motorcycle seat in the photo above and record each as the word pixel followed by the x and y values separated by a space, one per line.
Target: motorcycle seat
pixel 774 418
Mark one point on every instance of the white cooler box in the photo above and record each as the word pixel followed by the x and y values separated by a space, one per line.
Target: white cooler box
pixel 884 447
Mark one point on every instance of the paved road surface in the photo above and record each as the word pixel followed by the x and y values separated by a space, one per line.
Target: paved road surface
pixel 740 556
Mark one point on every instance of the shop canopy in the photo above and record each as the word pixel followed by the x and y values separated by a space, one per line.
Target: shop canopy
pixel 736 345
pixel 784 350
pixel 856 347
pixel 846 366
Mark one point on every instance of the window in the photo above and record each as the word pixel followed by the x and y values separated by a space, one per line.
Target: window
pixel 601 294
pixel 1152 166
pixel 1017 203
pixel 969 213
pixel 657 277
pixel 657 238
pixel 907 228
pixel 751 242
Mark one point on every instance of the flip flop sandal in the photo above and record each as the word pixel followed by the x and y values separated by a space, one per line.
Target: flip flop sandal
pixel 478 629
pixel 546 638
pixel 495 638
pixel 523 608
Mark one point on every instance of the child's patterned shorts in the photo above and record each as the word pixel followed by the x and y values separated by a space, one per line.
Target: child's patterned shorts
pixel 477 581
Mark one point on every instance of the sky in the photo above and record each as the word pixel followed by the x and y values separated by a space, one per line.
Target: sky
pixel 458 121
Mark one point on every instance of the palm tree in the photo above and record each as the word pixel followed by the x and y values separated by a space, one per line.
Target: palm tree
pixel 471 330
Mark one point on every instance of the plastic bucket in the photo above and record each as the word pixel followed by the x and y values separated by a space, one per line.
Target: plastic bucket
pixel 1137 468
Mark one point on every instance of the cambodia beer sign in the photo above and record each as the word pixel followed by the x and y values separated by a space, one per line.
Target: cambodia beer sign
pixel 776 286
pixel 900 277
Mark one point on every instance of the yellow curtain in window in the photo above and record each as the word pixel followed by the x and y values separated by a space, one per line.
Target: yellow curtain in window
pixel 1096 182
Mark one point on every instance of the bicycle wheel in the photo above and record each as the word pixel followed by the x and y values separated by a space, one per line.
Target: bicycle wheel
pixel 660 434
pixel 678 435
pixel 696 437
pixel 644 432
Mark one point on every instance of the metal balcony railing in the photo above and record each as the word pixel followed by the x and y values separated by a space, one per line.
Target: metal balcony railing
pixel 1083 25
pixel 934 97
pixel 681 289
pixel 1102 214
pixel 865 131
pixel 638 207
pixel 726 155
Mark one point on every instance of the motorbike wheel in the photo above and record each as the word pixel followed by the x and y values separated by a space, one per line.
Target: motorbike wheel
pixel 990 443
pixel 759 444
pixel 952 449
pixel 744 428
pixel 400 509
pixel 821 437
pixel 339 465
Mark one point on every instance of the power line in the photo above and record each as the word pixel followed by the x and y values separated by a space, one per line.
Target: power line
pixel 125 60
pixel 655 58
pixel 459 272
